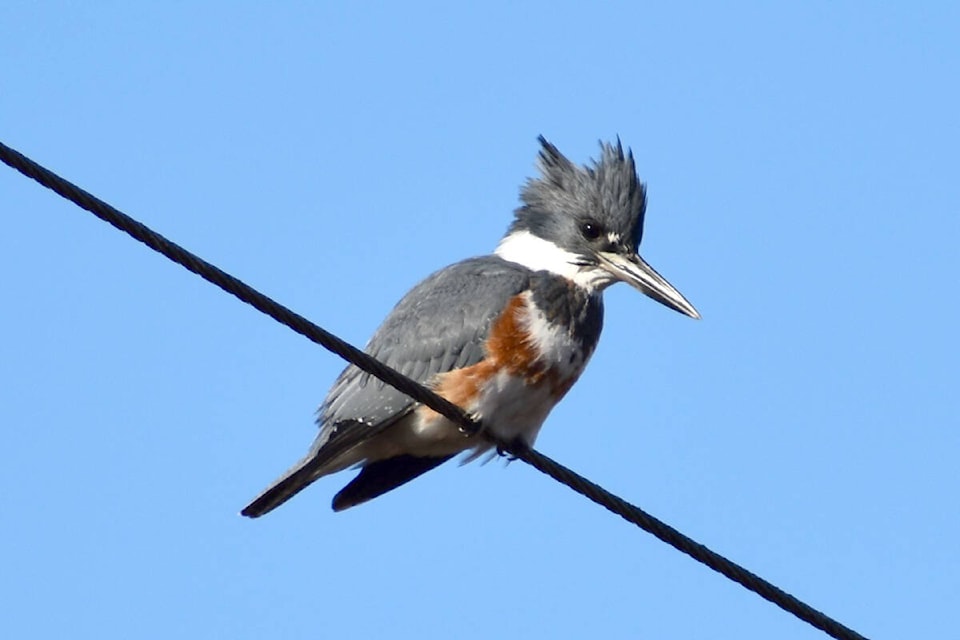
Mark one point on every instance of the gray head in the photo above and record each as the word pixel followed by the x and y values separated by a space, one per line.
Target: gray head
pixel 586 222
pixel 578 208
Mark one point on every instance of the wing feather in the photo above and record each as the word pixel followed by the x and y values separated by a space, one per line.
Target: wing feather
pixel 440 325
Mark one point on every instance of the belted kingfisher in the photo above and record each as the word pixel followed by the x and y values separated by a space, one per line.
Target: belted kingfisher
pixel 503 336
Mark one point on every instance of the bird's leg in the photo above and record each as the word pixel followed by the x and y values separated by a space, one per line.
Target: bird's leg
pixel 478 429
pixel 517 444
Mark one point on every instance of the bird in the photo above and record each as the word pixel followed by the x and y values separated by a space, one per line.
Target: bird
pixel 504 336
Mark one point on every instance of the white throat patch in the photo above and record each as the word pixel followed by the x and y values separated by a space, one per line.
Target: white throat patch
pixel 538 254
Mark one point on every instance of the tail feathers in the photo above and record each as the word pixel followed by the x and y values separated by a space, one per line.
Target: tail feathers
pixel 379 477
pixel 295 480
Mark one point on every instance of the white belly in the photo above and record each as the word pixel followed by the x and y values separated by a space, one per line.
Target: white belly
pixel 507 407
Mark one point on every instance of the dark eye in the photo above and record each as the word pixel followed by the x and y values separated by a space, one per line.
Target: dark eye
pixel 590 230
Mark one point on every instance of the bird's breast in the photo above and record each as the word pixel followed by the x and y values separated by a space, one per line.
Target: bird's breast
pixel 532 358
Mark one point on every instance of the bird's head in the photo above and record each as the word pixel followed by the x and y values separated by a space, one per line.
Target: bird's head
pixel 585 223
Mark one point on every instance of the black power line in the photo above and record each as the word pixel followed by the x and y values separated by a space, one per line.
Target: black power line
pixel 471 428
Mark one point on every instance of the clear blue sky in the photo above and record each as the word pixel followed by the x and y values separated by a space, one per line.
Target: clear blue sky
pixel 802 167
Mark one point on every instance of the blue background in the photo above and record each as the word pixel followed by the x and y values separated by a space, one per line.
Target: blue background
pixel 802 168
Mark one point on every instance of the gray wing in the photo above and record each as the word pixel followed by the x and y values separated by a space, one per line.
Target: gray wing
pixel 439 326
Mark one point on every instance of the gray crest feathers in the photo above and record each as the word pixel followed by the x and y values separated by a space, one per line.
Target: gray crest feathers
pixel 608 190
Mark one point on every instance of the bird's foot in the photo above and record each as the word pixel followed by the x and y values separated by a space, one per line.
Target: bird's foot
pixel 509 451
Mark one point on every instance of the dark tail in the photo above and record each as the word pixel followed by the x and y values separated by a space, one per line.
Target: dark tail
pixel 381 476
pixel 295 480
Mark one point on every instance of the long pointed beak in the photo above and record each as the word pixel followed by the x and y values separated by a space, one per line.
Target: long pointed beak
pixel 638 274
